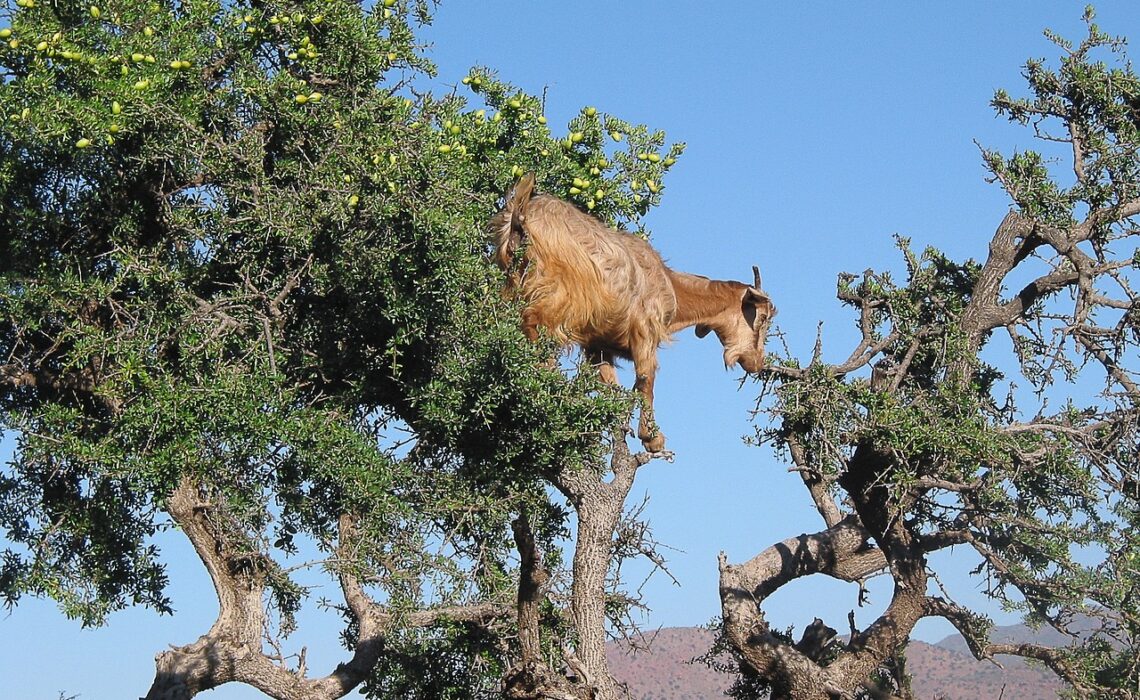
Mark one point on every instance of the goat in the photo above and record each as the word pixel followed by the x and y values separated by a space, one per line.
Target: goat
pixel 610 293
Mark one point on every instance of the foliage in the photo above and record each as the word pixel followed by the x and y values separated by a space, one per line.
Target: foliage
pixel 930 446
pixel 449 663
pixel 243 245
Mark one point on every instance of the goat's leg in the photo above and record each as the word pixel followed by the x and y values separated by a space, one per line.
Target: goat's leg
pixel 531 320
pixel 645 366
pixel 604 362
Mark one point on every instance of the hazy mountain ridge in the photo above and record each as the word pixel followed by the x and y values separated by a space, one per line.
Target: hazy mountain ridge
pixel 945 670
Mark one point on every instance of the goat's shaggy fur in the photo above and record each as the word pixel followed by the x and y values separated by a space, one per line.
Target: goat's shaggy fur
pixel 610 293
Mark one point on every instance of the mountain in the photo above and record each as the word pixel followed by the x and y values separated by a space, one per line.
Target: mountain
pixel 664 671
pixel 946 671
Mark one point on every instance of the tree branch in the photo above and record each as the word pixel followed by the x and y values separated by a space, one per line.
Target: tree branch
pixel 818 488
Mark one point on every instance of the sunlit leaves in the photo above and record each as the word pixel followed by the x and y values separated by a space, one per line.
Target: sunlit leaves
pixel 1089 101
pixel 247 249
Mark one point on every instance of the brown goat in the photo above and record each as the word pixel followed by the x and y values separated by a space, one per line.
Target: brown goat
pixel 610 293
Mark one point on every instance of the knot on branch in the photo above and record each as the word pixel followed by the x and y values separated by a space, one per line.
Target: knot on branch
pixel 534 679
pixel 816 640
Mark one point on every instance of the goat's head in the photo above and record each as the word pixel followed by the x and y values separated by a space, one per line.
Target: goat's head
pixel 743 328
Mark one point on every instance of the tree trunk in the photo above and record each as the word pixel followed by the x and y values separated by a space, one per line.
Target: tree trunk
pixel 597 518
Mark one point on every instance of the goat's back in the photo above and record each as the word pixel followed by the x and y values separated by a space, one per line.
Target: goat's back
pixel 589 284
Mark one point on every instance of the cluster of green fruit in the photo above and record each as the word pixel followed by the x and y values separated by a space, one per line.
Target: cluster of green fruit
pixel 305 51
pixel 618 187
pixel 116 71
pixel 520 107
pixel 651 185
pixel 112 129
pixel 581 186
pixel 392 161
pixel 295 18
pixel 655 158
pixel 482 132
pixel 51 47
pixel 54 48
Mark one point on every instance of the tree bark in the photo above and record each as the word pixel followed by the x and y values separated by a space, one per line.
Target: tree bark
pixel 598 504
pixel 598 516
pixel 842 551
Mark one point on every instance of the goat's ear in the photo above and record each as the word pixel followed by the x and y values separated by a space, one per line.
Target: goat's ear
pixel 759 300
pixel 702 330
pixel 755 297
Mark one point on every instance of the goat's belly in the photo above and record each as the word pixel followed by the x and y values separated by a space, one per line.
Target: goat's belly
pixel 614 344
pixel 627 310
pixel 611 351
pixel 622 335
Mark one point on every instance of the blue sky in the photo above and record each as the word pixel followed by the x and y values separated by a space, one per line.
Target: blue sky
pixel 815 132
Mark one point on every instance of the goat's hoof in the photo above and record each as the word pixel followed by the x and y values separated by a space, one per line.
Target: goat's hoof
pixel 666 455
pixel 654 444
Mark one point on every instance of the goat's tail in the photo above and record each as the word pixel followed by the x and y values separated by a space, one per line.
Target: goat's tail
pixel 517 200
pixel 508 227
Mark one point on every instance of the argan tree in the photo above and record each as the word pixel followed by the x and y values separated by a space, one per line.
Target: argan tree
pixel 246 294
pixel 918 442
